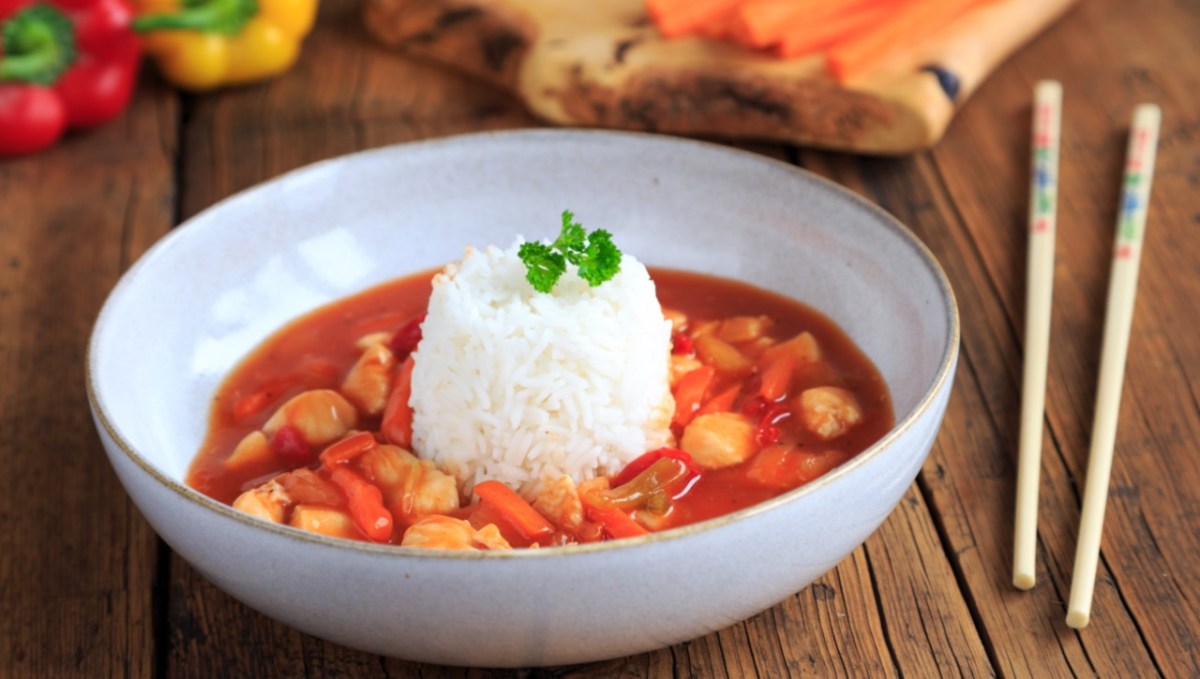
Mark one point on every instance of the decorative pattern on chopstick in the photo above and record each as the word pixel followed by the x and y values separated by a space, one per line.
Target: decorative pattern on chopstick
pixel 1118 320
pixel 1043 200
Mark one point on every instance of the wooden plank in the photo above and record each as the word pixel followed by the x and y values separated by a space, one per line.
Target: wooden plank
pixel 344 95
pixel 1152 536
pixel 78 570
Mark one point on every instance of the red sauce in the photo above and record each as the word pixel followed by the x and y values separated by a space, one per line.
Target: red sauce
pixel 317 351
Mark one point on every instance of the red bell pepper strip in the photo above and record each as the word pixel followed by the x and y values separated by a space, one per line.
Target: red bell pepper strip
pixel 289 444
pixel 642 462
pixel 397 423
pixel 64 64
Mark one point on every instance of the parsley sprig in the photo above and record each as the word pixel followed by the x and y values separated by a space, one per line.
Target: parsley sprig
pixel 594 253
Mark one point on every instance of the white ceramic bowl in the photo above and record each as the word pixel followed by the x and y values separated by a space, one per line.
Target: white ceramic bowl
pixel 201 298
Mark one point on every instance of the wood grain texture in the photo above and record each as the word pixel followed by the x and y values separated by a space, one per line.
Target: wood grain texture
pixel 605 64
pixel 78 570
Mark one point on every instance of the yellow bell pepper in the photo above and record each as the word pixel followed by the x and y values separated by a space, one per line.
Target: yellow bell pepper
pixel 203 44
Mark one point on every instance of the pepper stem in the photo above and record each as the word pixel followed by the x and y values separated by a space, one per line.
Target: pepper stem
pixel 39 45
pixel 207 16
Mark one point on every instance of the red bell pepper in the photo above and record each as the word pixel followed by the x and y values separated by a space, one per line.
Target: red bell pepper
pixel 64 64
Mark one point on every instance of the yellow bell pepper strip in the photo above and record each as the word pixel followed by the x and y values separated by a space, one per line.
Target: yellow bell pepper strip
pixel 201 45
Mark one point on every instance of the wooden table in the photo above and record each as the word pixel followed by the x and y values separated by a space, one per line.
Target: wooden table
pixel 86 588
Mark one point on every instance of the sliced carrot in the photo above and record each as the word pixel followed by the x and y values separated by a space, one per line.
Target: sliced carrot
pixel 777 378
pixel 396 425
pixel 616 523
pixel 689 393
pixel 677 18
pixel 347 449
pixel 806 39
pixel 365 503
pixel 722 402
pixel 854 56
pixel 515 509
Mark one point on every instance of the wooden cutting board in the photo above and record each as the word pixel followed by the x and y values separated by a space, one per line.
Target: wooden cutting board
pixel 602 63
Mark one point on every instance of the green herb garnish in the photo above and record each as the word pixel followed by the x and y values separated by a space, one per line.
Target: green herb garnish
pixel 594 253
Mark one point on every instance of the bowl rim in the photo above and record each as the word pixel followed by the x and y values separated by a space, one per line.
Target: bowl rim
pixel 546 137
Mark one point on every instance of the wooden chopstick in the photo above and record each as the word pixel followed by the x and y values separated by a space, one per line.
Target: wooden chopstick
pixel 1122 289
pixel 1043 203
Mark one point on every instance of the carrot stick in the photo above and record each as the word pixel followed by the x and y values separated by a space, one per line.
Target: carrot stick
pixel 365 502
pixel 689 393
pixel 515 510
pixel 809 38
pixel 761 23
pixel 777 378
pixel 347 449
pixel 396 425
pixel 616 523
pixel 676 18
pixel 721 403
pixel 853 57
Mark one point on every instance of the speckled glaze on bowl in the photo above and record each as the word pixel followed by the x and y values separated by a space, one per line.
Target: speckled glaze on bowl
pixel 201 298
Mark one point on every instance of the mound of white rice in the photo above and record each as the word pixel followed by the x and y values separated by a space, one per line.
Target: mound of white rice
pixel 520 386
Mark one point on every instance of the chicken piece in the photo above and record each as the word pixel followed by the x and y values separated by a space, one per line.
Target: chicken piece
pixel 723 356
pixel 744 328
pixel 828 411
pixel 445 532
pixel 369 382
pixel 371 339
pixel 322 416
pixel 324 520
pixel 803 347
pixel 267 501
pixel 253 450
pixel 412 488
pixel 678 318
pixel 558 500
pixel 719 440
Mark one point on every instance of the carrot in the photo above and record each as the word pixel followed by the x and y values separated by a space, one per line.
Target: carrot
pixel 515 510
pixel 689 393
pixel 777 377
pixel 800 40
pixel 365 503
pixel 721 403
pixel 396 425
pixel 854 56
pixel 761 23
pixel 677 18
pixel 347 449
pixel 616 523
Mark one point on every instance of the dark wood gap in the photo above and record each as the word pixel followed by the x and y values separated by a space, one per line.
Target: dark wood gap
pixel 887 637
pixel 960 578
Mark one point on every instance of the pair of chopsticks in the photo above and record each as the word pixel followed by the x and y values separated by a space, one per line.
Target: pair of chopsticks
pixel 1122 289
